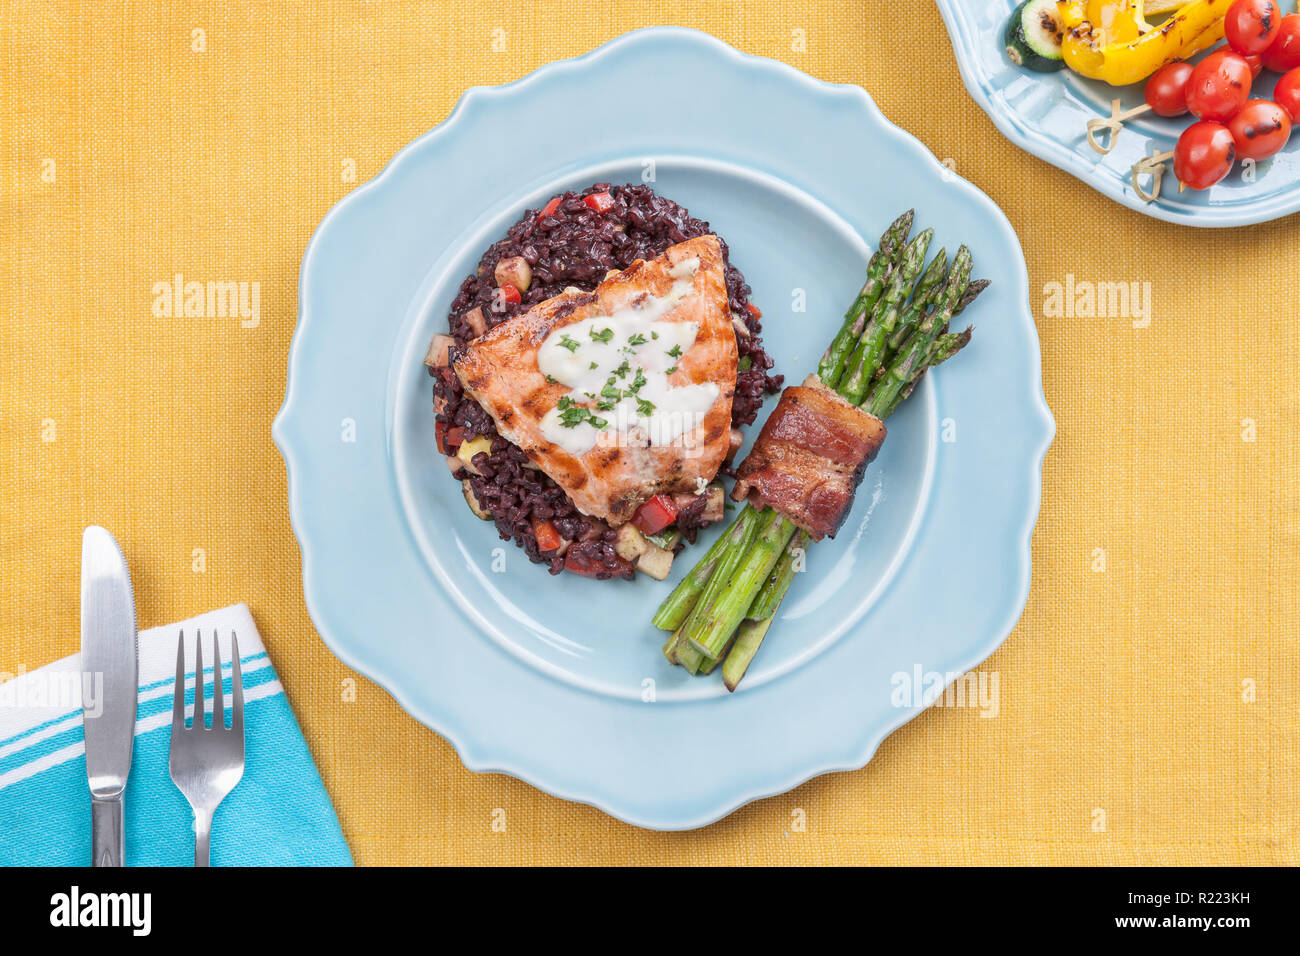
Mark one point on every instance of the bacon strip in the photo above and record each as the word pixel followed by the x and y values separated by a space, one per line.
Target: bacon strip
pixel 810 458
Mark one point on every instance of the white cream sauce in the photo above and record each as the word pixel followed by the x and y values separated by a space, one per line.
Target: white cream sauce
pixel 617 367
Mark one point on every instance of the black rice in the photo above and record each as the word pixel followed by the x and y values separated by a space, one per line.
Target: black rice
pixel 574 245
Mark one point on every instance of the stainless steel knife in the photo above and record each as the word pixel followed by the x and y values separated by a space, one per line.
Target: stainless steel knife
pixel 109 671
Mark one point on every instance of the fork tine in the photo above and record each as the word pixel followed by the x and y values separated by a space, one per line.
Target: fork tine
pixel 178 695
pixel 218 692
pixel 200 705
pixel 236 689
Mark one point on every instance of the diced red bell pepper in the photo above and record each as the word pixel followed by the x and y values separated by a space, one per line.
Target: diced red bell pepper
pixel 550 207
pixel 656 514
pixel 510 294
pixel 449 437
pixel 754 310
pixel 548 539
pixel 601 202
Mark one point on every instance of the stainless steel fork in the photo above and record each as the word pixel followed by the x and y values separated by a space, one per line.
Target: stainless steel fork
pixel 206 763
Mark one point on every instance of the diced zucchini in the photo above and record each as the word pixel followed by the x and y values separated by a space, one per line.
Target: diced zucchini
pixel 1034 36
pixel 472 500
pixel 468 449
pixel 655 561
pixel 514 271
pixel 666 539
pixel 439 351
pixel 631 543
pixel 716 507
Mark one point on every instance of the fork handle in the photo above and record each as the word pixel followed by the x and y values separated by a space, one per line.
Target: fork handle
pixel 106 832
pixel 202 836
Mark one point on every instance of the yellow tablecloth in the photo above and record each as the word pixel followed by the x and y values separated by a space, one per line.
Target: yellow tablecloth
pixel 1148 709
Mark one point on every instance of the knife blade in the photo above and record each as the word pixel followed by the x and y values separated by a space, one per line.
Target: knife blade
pixel 109 680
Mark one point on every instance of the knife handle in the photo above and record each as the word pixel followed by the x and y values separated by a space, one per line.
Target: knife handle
pixel 107 836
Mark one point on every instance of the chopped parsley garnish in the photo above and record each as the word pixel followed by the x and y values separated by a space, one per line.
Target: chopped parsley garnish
pixel 654 334
pixel 645 408
pixel 637 381
pixel 671 370
pixel 571 344
pixel 623 369
pixel 593 365
pixel 552 379
pixel 604 335
pixel 675 352
pixel 572 415
pixel 637 339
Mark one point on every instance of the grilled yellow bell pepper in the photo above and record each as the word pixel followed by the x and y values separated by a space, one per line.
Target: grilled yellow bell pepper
pixel 1111 40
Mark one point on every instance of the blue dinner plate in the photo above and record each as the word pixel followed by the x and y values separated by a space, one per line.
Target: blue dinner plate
pixel 560 680
pixel 1047 114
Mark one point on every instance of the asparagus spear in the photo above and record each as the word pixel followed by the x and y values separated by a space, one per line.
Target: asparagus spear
pixel 862 362
pixel 903 334
pixel 921 302
pixel 912 359
pixel 944 348
pixel 714 628
pixel 738 537
pixel 689 656
pixel 970 295
pixel 678 605
pixel 878 269
pixel 769 597
pixel 748 638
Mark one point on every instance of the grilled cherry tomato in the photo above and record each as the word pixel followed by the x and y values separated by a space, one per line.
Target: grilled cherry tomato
pixel 656 514
pixel 1260 129
pixel 1287 94
pixel 1166 91
pixel 601 202
pixel 1204 154
pixel 1218 86
pixel 1256 61
pixel 1251 25
pixel 1283 53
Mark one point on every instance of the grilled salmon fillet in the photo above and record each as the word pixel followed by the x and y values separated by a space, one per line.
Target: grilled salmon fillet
pixel 810 457
pixel 620 393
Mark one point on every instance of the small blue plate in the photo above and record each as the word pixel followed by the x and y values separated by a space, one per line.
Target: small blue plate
pixel 560 680
pixel 1047 114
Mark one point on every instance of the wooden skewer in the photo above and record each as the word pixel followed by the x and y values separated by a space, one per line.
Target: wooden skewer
pixel 1112 124
pixel 1153 165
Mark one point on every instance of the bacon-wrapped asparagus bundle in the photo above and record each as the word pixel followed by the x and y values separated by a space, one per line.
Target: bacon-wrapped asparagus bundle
pixel 799 480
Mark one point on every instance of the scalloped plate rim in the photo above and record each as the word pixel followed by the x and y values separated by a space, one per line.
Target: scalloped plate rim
pixel 467 749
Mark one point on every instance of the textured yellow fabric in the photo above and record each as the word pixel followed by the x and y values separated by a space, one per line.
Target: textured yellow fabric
pixel 1148 709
